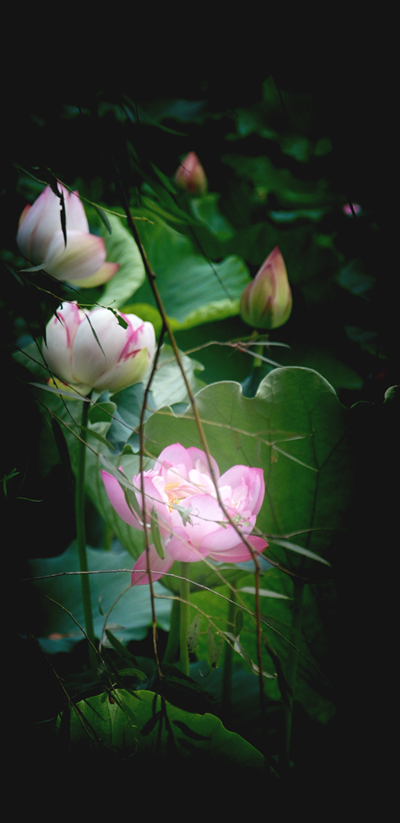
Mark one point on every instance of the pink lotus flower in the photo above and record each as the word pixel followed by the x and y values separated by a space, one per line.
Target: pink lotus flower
pixel 266 303
pixel 41 240
pixel 116 359
pixel 180 497
pixel 191 175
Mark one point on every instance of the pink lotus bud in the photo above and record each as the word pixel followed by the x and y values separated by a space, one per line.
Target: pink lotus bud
pixel 349 210
pixel 92 351
pixel 180 495
pixel 266 303
pixel 191 175
pixel 41 240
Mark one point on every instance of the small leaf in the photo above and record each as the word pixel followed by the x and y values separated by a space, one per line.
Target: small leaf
pixel 164 179
pixel 264 592
pixel 71 395
pixel 118 646
pixel 132 673
pixel 123 481
pixel 299 550
pixel 33 268
pixel 8 477
pixel 243 653
pixel 50 179
pixel 121 321
pixel 131 500
pixel 185 514
pixel 102 412
pixel 98 437
pixel 63 217
pixel 95 335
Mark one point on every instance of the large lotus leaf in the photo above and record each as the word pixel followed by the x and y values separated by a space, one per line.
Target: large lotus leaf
pixel 206 210
pixel 126 611
pixel 313 688
pixel 295 429
pixel 136 723
pixel 289 190
pixel 337 372
pixel 193 289
pixel 168 385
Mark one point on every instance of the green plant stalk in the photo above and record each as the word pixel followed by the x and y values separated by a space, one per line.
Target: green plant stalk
pixel 184 618
pixel 173 637
pixel 81 538
pixel 257 363
pixel 146 534
pixel 291 670
pixel 226 697
pixel 107 537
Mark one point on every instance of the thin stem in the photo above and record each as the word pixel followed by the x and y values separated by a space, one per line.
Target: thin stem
pixel 259 651
pixel 184 618
pixel 226 697
pixel 173 636
pixel 291 669
pixel 81 538
pixel 257 360
pixel 141 470
pixel 107 537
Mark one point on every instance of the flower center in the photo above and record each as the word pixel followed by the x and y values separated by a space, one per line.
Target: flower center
pixel 171 490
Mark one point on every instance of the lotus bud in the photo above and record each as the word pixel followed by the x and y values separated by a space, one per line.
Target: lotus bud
pixel 351 209
pixel 82 260
pixel 93 351
pixel 191 175
pixel 266 303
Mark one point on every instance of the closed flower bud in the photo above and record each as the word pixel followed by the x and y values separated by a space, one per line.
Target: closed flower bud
pixel 266 303
pixel 41 240
pixel 191 175
pixel 93 351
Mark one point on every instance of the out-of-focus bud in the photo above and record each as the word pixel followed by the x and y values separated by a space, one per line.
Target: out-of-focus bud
pixel 266 303
pixel 191 175
pixel 351 209
pixel 41 240
pixel 93 351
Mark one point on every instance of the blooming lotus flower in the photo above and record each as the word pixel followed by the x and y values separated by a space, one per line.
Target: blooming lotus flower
pixel 266 303
pixel 113 361
pixel 41 240
pixel 191 176
pixel 180 496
